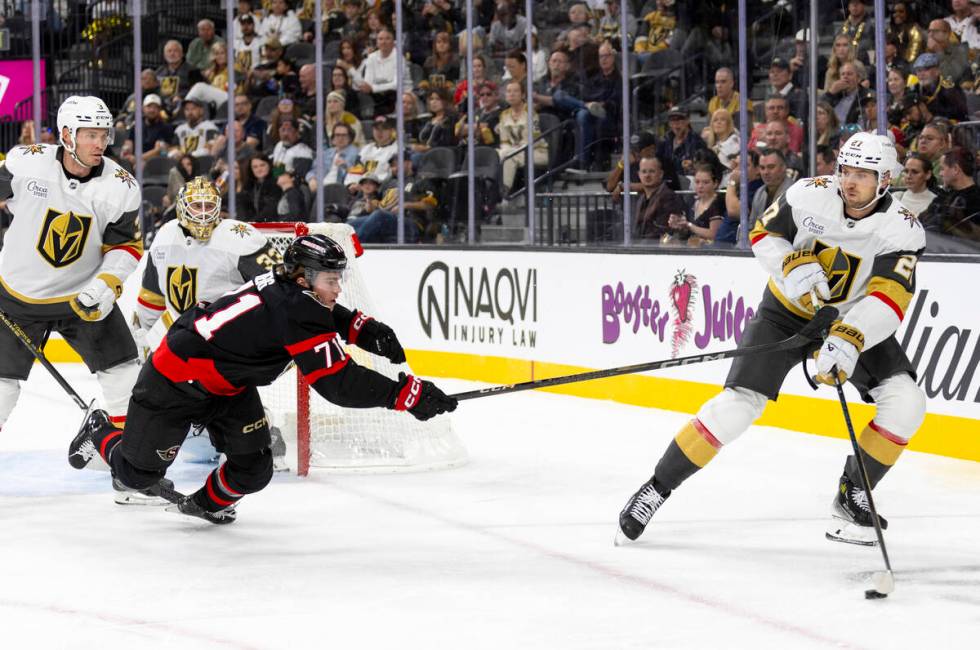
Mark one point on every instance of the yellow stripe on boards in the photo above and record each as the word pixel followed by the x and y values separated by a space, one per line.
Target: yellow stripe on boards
pixel 945 435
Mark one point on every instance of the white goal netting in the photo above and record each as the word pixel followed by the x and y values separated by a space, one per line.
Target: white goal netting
pixel 329 436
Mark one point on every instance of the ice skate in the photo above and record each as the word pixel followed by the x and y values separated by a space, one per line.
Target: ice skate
pixel 126 496
pixel 637 512
pixel 851 522
pixel 82 452
pixel 188 506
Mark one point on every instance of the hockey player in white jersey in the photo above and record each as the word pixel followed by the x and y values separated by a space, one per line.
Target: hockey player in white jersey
pixel 844 241
pixel 73 242
pixel 198 257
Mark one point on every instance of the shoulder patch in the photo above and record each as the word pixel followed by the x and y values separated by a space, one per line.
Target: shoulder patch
pixel 243 230
pixel 32 149
pixel 818 181
pixel 125 177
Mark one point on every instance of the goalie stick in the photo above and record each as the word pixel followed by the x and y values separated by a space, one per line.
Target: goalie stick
pixel 812 332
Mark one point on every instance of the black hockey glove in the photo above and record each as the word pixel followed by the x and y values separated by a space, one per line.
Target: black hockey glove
pixel 421 398
pixel 386 343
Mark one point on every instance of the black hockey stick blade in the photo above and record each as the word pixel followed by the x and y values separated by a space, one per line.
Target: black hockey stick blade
pixel 812 332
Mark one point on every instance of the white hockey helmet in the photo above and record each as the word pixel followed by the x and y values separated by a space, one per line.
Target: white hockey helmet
pixel 79 112
pixel 870 151
pixel 199 208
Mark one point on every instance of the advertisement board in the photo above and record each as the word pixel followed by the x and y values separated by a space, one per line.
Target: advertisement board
pixel 16 84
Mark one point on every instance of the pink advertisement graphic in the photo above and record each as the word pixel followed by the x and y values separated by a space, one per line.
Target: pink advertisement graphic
pixel 16 85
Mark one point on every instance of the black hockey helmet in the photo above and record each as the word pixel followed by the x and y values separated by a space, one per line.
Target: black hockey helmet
pixel 314 253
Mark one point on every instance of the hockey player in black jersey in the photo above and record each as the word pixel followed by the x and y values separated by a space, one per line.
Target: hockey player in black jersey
pixel 207 369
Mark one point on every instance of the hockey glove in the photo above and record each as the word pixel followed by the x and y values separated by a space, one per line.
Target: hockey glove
pixel 421 398
pixel 839 354
pixel 804 280
pixel 94 302
pixel 386 343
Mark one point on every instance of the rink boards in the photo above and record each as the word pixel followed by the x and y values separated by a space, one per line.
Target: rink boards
pixel 505 316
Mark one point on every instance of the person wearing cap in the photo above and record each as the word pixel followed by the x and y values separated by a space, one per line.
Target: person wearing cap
pixel 199 51
pixel 366 200
pixel 248 44
pixel 869 120
pixel 195 133
pixel 420 203
pixel 487 115
pixel 150 84
pixel 940 95
pixel 246 8
pixel 375 156
pixel 158 135
pixel 377 75
pixel 642 144
pixel 954 60
pixel 781 83
pixel 915 115
pixel 281 23
pixel 680 143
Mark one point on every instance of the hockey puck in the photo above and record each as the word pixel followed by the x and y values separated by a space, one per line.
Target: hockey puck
pixel 873 594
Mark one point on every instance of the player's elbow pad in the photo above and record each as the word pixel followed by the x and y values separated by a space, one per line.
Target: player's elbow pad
pixel 876 320
pixel 356 387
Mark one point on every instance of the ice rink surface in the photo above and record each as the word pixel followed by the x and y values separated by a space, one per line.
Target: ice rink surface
pixel 513 550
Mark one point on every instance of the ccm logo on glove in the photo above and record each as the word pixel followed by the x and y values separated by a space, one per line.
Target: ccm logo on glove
pixel 409 395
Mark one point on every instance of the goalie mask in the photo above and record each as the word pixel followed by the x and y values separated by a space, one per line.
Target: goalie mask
pixel 873 152
pixel 312 254
pixel 198 208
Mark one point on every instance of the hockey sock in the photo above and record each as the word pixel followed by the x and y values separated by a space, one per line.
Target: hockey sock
pixel 881 450
pixel 691 449
pixel 106 440
pixel 9 391
pixel 217 492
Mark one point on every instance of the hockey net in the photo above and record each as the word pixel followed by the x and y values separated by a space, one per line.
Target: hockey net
pixel 343 439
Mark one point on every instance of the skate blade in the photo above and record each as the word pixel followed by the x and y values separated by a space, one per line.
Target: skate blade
pixel 850 533
pixel 621 539
pixel 279 464
pixel 137 499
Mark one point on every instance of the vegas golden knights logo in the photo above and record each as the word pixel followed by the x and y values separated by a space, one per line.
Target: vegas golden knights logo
pixel 63 236
pixel 168 85
pixel 190 143
pixel 841 269
pixel 182 287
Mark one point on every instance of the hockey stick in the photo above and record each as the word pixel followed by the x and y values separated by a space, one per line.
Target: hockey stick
pixel 884 581
pixel 812 332
pixel 39 355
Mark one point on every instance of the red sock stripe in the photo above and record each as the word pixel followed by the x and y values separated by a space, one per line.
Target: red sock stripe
pixel 119 421
pixel 214 495
pixel 105 442
pixel 887 435
pixel 223 484
pixel 707 435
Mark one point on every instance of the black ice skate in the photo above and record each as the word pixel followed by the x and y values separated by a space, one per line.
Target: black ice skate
pixel 188 506
pixel 82 449
pixel 852 517
pixel 637 512
pixel 126 496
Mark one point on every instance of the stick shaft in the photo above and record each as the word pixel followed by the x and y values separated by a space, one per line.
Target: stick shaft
pixel 39 355
pixel 864 472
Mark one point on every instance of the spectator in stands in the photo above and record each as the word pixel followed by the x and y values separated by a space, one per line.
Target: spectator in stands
pixel 915 115
pixel 704 214
pixel 869 121
pixel 777 110
pixel 438 131
pixel 599 113
pixel 158 135
pixel 292 204
pixel 515 67
pixel 335 114
pixel 340 156
pixel 214 89
pixel 306 98
pixel 583 54
pixel 366 200
pixel 971 33
pixel 507 30
pixel 262 81
pixel 906 30
pixel 285 109
pixel 728 230
pixel 721 137
pixel 195 133
pixel 374 22
pixel 954 61
pixel 254 126
pixel 918 195
pixel 578 14
pixel 892 60
pixel 858 27
pixel 441 68
pixel 287 81
pixel 609 25
pixel 826 160
pixel 259 197
pixel 680 143
pixel 289 153
pixel 559 82
pixel 245 8
pixel 354 13
pixel 340 82
pixel 780 83
pixel 375 156
pixel 480 74
pixel 957 210
pixel 178 176
pixel 487 115
pixel 281 23
pixel 960 18
pixel 512 135
pixel 199 51
pixel 377 74
pixel 539 59
pixel 656 201
pixel 843 95
pixel 897 89
pixel 842 53
pixel 942 96
pixel 642 144
pixel 176 75
pixel 248 44
pixel 151 85
pixel 350 56
pixel 218 147
pixel 726 96
pixel 662 31
pixel 420 202
pixel 827 124
pixel 777 139
pixel 772 170
pixel 711 40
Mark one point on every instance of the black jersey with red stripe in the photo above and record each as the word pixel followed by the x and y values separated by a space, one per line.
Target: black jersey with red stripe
pixel 249 336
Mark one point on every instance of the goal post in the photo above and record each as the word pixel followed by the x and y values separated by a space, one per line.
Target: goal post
pixel 345 439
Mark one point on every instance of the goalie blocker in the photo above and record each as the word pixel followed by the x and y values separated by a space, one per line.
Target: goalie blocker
pixel 213 358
